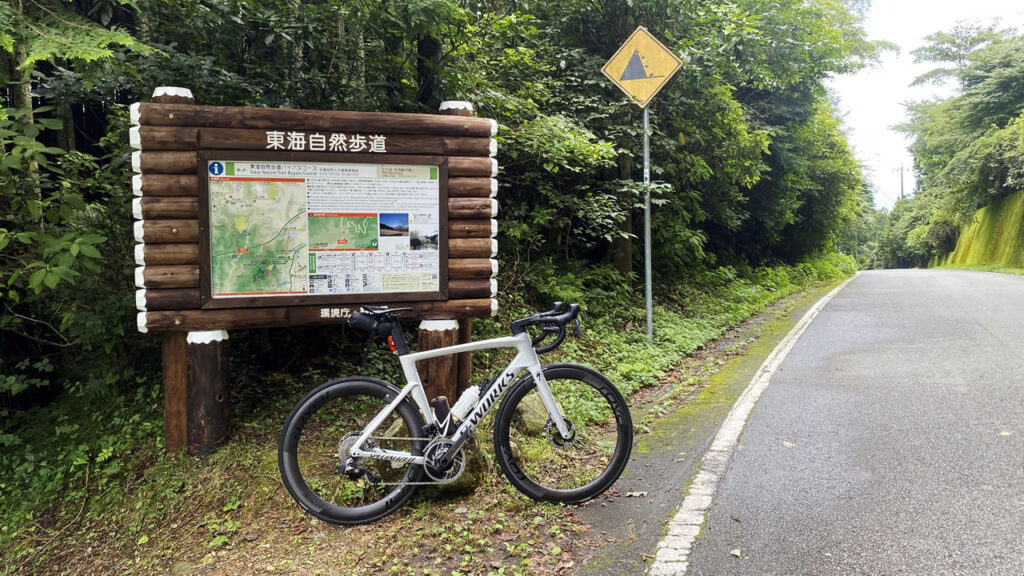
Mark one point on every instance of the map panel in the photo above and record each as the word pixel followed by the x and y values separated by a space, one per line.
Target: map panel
pixel 258 237
pixel 342 231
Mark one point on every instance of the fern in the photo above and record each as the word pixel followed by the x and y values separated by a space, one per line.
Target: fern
pixel 52 31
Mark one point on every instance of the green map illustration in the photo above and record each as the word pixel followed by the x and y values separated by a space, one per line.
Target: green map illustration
pixel 343 232
pixel 258 237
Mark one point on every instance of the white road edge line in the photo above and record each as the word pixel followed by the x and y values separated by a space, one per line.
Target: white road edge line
pixel 673 553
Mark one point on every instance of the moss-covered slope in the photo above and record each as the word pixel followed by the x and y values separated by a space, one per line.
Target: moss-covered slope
pixel 994 237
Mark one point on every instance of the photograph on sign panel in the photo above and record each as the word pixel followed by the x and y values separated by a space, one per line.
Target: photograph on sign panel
pixel 423 232
pixel 394 224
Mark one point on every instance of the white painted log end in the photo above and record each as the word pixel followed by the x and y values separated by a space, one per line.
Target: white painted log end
pixel 140 276
pixel 140 299
pixel 493 148
pixel 137 229
pixel 456 105
pixel 494 247
pixel 494 167
pixel 135 114
pixel 172 91
pixel 137 184
pixel 439 325
pixel 494 127
pixel 142 322
pixel 140 254
pixel 137 162
pixel 494 187
pixel 494 306
pixel 494 207
pixel 494 287
pixel 494 267
pixel 137 208
pixel 135 137
pixel 494 228
pixel 206 336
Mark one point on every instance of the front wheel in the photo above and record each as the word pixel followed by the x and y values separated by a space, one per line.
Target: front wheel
pixel 314 452
pixel 545 466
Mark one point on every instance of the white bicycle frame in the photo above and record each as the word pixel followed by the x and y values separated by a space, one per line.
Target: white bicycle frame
pixel 526 359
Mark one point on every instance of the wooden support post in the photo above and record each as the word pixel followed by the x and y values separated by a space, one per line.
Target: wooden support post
pixel 195 391
pixel 439 375
pixel 465 371
pixel 175 391
pixel 208 421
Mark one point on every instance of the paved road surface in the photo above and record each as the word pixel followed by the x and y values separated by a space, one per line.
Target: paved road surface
pixel 891 440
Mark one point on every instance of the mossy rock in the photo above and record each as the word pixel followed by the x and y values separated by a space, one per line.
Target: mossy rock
pixel 531 415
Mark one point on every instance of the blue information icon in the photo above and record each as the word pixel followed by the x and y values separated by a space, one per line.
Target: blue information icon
pixel 216 168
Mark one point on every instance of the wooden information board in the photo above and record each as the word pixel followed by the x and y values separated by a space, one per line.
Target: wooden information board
pixel 173 227
pixel 259 217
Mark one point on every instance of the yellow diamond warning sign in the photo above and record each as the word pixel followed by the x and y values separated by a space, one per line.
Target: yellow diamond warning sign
pixel 641 66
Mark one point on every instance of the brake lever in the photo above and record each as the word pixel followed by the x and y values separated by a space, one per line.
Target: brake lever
pixel 576 329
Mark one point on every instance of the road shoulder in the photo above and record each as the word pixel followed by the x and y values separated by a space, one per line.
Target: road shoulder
pixel 680 419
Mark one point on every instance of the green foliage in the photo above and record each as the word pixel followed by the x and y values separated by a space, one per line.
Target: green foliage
pixel 44 250
pixel 968 148
pixel 60 33
pixel 953 50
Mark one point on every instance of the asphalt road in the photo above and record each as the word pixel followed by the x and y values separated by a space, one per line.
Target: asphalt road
pixel 891 440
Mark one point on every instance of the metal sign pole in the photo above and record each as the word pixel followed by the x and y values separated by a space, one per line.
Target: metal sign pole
pixel 647 228
pixel 641 67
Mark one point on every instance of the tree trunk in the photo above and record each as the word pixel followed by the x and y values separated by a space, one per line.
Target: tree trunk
pixel 21 97
pixel 393 46
pixel 428 52
pixel 622 248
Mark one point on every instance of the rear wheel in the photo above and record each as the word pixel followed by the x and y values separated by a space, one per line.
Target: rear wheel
pixel 543 465
pixel 314 452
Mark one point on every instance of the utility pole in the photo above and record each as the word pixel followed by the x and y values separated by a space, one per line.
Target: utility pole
pixel 901 180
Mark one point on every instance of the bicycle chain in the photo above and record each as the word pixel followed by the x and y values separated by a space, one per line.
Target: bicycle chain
pixel 433 483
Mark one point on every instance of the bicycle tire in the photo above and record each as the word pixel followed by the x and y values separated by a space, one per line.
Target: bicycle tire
pixel 538 463
pixel 312 439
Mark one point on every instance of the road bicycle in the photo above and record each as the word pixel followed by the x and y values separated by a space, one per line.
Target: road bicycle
pixel 355 449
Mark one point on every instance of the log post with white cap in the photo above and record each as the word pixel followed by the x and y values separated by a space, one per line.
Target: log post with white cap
pixel 195 374
pixel 439 375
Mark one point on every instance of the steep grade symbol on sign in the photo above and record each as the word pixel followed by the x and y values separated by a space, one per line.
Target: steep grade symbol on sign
pixel 636 69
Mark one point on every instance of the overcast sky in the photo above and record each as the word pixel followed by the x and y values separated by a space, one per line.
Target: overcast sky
pixel 871 101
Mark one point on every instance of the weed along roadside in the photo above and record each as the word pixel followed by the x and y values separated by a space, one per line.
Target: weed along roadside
pixel 228 513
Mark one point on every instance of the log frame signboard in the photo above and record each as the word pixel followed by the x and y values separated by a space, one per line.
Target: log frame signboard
pixel 293 228
pixel 173 274
pixel 309 215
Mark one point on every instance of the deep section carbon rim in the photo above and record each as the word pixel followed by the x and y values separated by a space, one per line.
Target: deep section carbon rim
pixel 543 465
pixel 314 459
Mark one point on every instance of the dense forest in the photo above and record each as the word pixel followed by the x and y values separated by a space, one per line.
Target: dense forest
pixel 752 173
pixel 968 149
